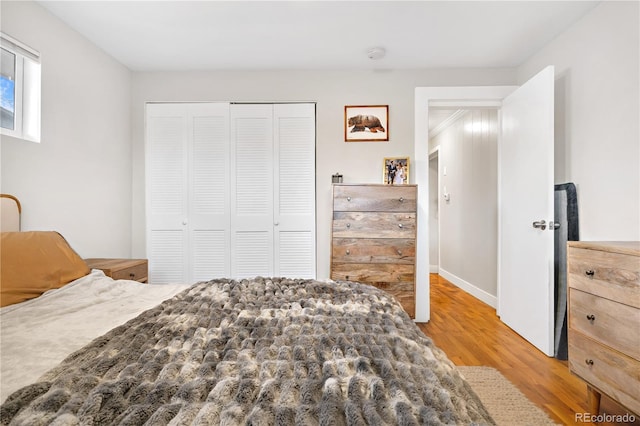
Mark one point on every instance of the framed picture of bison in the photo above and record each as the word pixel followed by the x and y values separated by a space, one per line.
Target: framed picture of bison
pixel 366 123
pixel 395 171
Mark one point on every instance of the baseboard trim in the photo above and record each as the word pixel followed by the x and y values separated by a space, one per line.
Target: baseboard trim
pixel 434 269
pixel 476 292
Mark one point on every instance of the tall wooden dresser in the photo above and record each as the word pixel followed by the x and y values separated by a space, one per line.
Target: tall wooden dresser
pixel 604 320
pixel 374 238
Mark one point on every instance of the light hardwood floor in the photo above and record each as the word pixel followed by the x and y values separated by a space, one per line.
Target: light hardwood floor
pixel 469 331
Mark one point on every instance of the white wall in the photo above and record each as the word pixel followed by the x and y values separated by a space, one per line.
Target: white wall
pixel 597 117
pixel 469 219
pixel 359 162
pixel 77 181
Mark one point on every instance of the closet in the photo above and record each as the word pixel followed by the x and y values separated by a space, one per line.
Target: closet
pixel 230 190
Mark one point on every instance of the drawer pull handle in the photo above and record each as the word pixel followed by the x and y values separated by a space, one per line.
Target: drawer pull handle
pixel 399 253
pixel 347 277
pixel 591 317
pixel 590 272
pixel 348 198
pixel 588 362
pixel 399 225
pixel 348 252
pixel 132 275
pixel 348 225
pixel 401 199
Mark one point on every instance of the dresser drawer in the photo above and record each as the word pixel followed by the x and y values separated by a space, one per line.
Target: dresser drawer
pixel 374 225
pixel 379 273
pixel 607 370
pixel 615 276
pixel 121 269
pixel 407 299
pixel 373 250
pixel 611 323
pixel 374 198
pixel 134 273
pixel 404 292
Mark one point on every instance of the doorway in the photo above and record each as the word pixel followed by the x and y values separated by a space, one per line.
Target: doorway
pixel 434 212
pixel 453 97
pixel 525 199
pixel 463 198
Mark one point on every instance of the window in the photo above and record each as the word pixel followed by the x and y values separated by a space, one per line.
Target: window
pixel 19 90
pixel 8 87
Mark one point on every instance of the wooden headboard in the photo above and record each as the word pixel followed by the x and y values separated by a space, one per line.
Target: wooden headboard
pixel 10 211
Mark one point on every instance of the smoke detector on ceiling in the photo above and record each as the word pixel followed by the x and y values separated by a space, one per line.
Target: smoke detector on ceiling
pixel 376 53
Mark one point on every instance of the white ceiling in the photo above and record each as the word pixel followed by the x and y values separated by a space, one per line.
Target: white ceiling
pixel 204 35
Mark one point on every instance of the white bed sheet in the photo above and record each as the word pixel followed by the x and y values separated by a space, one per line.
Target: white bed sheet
pixel 38 334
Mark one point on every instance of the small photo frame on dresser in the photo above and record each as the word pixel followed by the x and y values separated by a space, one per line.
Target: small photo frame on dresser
pixel 395 171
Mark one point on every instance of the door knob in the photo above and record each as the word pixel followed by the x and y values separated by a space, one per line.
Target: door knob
pixel 541 224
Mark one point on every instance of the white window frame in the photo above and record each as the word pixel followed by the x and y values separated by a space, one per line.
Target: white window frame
pixel 27 90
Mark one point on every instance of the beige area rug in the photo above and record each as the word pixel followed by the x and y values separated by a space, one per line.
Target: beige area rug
pixel 506 404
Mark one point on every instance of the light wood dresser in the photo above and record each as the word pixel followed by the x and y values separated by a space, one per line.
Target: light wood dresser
pixel 374 238
pixel 604 320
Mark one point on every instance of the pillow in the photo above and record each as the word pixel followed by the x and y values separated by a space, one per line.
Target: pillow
pixel 34 262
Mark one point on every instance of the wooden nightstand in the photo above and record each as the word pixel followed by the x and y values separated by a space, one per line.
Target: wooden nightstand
pixel 122 269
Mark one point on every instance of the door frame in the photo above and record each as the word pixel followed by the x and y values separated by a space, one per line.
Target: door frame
pixel 468 97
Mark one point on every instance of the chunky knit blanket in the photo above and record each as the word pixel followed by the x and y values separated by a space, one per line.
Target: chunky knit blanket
pixel 256 352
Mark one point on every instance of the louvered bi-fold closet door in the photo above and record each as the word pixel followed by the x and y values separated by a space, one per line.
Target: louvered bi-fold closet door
pixel 187 191
pixel 252 190
pixel 209 236
pixel 294 190
pixel 273 190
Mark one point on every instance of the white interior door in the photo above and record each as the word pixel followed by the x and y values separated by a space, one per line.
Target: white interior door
pixel 272 196
pixel 230 191
pixel 188 191
pixel 208 191
pixel 252 190
pixel 166 170
pixel 525 158
pixel 294 194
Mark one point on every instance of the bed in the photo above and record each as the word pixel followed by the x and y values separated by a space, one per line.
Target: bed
pixel 258 351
